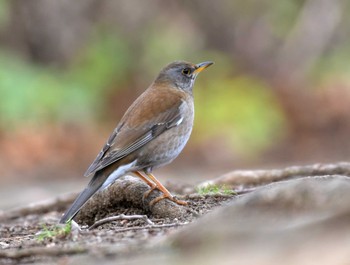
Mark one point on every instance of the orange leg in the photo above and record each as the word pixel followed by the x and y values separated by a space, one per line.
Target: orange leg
pixel 148 182
pixel 166 193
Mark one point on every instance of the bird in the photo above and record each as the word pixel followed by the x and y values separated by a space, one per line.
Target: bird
pixel 152 133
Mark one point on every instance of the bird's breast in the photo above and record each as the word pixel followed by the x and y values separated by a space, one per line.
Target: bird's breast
pixel 167 146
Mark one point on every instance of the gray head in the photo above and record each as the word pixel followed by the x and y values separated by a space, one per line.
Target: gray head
pixel 181 74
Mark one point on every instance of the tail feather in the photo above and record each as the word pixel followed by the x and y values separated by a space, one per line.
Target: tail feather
pixel 101 180
pixel 94 185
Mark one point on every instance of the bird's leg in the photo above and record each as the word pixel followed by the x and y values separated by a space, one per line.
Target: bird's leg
pixel 166 193
pixel 148 182
pixel 157 185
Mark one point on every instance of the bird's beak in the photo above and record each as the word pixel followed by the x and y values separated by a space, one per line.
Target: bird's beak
pixel 201 66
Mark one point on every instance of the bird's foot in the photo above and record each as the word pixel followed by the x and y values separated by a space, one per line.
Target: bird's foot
pixel 169 197
pixel 155 184
pixel 152 188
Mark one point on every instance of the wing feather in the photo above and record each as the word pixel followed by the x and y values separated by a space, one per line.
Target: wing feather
pixel 135 138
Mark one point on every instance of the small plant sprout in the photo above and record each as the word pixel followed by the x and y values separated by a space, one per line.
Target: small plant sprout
pixel 54 231
pixel 213 189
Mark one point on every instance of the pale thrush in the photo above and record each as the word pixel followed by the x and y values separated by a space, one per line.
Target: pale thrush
pixel 152 133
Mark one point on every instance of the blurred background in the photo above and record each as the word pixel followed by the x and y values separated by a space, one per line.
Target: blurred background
pixel 279 93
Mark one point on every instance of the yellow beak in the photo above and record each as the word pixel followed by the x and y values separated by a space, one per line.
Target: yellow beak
pixel 201 66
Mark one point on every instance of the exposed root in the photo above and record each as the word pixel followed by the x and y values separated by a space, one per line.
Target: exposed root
pixel 41 251
pixel 244 180
pixel 128 191
pixel 58 203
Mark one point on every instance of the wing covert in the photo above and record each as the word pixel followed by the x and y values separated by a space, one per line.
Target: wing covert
pixel 126 140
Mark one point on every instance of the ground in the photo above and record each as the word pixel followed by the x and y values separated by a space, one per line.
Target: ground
pixel 296 215
pixel 21 244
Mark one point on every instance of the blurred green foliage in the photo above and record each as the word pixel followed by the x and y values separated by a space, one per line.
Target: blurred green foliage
pixel 4 7
pixel 164 44
pixel 106 59
pixel 242 109
pixel 333 65
pixel 282 15
pixel 229 103
pixel 37 94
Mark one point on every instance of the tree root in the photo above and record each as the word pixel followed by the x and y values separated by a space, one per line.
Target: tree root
pixel 129 192
pixel 41 251
pixel 248 179
pixel 58 203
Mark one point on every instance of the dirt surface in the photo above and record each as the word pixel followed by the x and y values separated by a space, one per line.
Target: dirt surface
pixel 275 211
pixel 20 243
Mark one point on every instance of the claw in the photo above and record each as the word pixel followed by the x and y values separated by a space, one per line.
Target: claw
pixel 162 197
pixel 147 193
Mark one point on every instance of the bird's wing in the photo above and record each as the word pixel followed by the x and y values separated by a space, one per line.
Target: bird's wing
pixel 130 135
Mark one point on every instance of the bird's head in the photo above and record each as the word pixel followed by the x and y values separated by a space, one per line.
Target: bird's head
pixel 181 74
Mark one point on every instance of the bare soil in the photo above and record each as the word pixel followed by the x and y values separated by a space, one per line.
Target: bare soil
pixel 19 243
pixel 324 186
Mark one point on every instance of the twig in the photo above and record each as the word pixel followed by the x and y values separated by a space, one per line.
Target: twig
pixel 148 227
pixel 121 217
pixel 41 251
pixel 244 179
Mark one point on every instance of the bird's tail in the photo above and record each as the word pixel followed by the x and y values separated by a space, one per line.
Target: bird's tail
pixel 94 185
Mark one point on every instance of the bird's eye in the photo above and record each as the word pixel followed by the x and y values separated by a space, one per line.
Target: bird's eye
pixel 186 71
